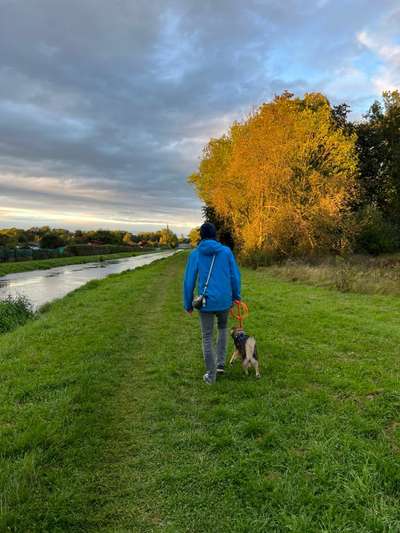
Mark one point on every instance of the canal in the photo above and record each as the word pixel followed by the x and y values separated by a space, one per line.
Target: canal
pixel 42 286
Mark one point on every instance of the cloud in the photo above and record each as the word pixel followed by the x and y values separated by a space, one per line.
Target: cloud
pixel 383 43
pixel 105 106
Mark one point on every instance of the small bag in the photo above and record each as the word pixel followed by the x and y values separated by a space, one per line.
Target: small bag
pixel 201 300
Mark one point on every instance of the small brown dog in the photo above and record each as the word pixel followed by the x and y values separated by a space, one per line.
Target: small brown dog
pixel 245 349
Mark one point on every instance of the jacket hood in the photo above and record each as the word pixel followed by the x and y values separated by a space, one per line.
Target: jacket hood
pixel 209 247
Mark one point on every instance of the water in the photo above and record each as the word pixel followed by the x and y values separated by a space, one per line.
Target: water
pixel 42 286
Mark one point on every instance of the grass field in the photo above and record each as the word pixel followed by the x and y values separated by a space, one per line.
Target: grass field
pixel 107 425
pixel 44 264
pixel 361 274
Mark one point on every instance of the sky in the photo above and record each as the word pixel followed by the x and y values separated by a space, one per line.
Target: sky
pixel 105 106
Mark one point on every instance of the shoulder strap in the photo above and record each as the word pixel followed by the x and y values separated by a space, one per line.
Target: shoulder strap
pixel 209 275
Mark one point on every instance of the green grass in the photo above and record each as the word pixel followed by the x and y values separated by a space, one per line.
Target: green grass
pixel 44 264
pixel 14 311
pixel 107 425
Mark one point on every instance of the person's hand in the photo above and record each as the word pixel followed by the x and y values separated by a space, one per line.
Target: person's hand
pixel 236 302
pixel 190 312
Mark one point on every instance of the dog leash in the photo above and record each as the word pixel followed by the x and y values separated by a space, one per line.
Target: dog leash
pixel 242 311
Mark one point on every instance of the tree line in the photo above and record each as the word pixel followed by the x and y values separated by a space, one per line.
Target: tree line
pixel 297 177
pixel 51 238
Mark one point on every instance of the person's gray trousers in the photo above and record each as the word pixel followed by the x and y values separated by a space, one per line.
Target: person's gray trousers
pixel 213 357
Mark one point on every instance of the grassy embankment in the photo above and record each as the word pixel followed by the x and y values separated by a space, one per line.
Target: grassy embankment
pixel 44 264
pixel 362 274
pixel 107 425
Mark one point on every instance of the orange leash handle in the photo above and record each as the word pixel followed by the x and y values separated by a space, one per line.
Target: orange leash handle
pixel 242 311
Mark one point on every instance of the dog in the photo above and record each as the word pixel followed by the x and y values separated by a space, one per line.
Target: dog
pixel 245 349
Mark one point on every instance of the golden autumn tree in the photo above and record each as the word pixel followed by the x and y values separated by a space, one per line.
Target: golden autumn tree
pixel 168 238
pixel 194 236
pixel 282 178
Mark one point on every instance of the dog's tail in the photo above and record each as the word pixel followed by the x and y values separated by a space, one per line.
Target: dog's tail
pixel 251 350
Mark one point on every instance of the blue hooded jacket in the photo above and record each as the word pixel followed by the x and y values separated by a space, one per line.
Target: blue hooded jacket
pixel 224 285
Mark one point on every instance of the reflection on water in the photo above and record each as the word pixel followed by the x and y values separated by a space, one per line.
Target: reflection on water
pixel 42 286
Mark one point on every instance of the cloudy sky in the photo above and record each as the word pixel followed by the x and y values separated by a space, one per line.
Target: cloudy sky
pixel 105 105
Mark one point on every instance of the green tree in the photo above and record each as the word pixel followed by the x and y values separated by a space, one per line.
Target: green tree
pixel 13 236
pixel 51 240
pixel 379 154
pixel 80 237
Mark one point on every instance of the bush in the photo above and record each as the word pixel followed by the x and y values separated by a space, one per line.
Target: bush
pixel 98 249
pixel 377 235
pixel 45 254
pixel 14 311
pixel 257 258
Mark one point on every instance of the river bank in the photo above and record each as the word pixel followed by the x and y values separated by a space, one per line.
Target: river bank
pixel 45 264
pixel 107 425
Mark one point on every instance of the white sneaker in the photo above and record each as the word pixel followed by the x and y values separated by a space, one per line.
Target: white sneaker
pixel 208 379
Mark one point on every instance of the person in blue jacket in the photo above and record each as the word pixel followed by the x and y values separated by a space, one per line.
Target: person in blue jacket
pixel 223 289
